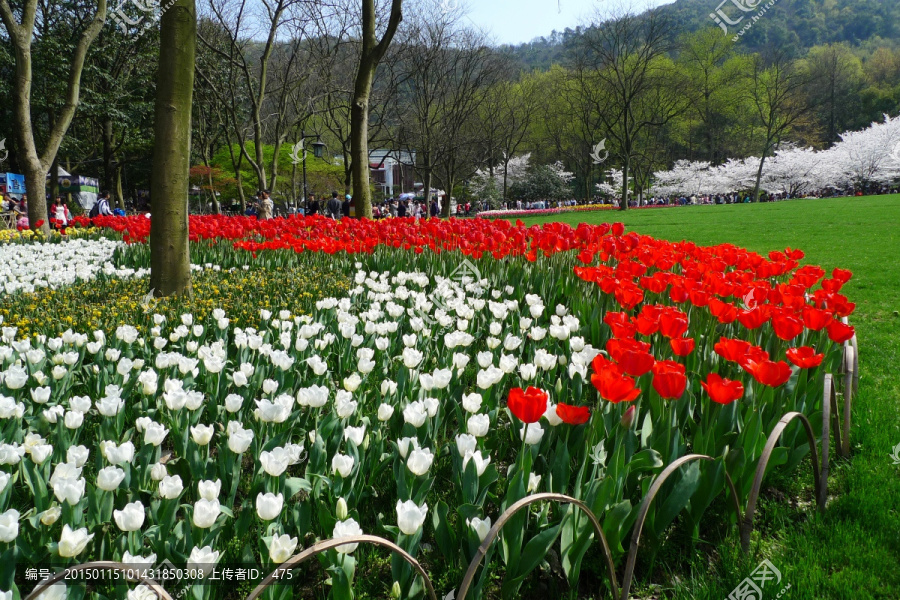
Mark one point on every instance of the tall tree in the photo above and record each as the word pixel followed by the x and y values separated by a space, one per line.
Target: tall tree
pixel 506 118
pixel 20 26
pixel 265 76
pixel 780 104
pixel 836 78
pixel 623 67
pixel 373 50
pixel 170 258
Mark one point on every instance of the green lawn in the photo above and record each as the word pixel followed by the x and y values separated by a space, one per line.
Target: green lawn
pixel 851 551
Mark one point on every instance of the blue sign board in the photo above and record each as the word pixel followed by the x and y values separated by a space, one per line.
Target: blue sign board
pixel 12 183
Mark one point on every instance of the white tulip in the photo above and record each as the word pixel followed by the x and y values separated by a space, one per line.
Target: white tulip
pixel 343 405
pixel 80 403
pixel 419 461
pixel 68 490
pixel 73 419
pixel 352 383
pixel 472 402
pixel 117 455
pixel 157 471
pixel 109 407
pixel 9 525
pixel 206 512
pixel 40 453
pixel 57 591
pixel 415 413
pixel 385 412
pixel 72 543
pixel 154 434
pixel 203 559
pixel 202 434
pixel 342 464
pixel 478 425
pixel 53 413
pixel 460 360
pixel 533 482
pixel 344 529
pixel 480 526
pixel 355 434
pixel 40 395
pixel 77 455
pixel 209 490
pixel 269 386
pixel 240 440
pixel 531 433
pixel 480 463
pixel 233 403
pixel 268 506
pixel 281 548
pixel 410 517
pixel 51 515
pixel 138 561
pixel 109 478
pixel 171 487
pixel 485 359
pixel 274 462
pixel 411 358
pixel 131 517
pixel 314 396
pixel 551 416
pixel 465 443
pixel 403 445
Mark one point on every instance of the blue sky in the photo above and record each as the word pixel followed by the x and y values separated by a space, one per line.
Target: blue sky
pixel 516 21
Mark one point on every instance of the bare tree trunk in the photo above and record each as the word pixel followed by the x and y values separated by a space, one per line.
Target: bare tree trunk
pixel 120 194
pixel 359 145
pixel 54 180
pixel 759 173
pixel 170 260
pixel 372 52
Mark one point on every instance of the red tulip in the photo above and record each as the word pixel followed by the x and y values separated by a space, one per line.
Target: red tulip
pixel 673 323
pixel 633 356
pixel 682 346
pixel 767 372
pixel 620 323
pixel 628 418
pixel 668 379
pixel 787 326
pixel 573 415
pixel 816 319
pixel 613 385
pixel 732 350
pixel 755 317
pixel 842 275
pixel 753 354
pixel 529 405
pixel 804 357
pixel 839 333
pixel 723 391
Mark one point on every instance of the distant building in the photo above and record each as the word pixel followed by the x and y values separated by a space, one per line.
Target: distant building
pixel 392 171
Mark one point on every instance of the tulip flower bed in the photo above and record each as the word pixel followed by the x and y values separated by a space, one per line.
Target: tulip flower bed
pixel 440 388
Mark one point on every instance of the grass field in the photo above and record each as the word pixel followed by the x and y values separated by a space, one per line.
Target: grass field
pixel 852 551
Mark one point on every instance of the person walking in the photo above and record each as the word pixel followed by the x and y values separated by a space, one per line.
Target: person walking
pixel 333 207
pixel 345 206
pixel 60 214
pixel 266 206
pixel 312 206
